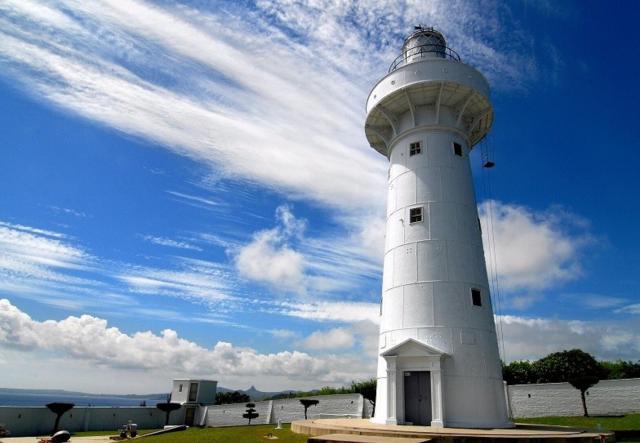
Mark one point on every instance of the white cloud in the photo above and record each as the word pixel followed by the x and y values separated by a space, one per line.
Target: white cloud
pixel 45 266
pixel 630 309
pixel 268 257
pixel 197 280
pixel 284 257
pixel 282 333
pixel 596 301
pixel 532 338
pixel 533 250
pixel 163 241
pixel 69 211
pixel 194 200
pixel 336 338
pixel 91 338
pixel 348 312
pixel 49 268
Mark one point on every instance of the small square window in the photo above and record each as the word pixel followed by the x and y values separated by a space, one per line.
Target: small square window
pixel 476 298
pixel 457 149
pixel 415 215
pixel 415 148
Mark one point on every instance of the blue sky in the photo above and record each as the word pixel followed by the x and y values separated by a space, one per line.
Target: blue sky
pixel 187 189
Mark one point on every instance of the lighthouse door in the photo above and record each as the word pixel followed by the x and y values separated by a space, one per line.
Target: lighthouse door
pixel 417 397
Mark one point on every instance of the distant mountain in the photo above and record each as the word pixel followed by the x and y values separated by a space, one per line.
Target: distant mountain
pixel 255 394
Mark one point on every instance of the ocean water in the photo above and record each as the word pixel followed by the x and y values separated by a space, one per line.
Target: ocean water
pixel 41 399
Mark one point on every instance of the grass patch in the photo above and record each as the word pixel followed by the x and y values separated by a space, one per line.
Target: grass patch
pixel 112 432
pixel 626 423
pixel 235 434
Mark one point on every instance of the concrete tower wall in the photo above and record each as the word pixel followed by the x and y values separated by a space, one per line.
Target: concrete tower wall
pixel 426 116
pixel 430 268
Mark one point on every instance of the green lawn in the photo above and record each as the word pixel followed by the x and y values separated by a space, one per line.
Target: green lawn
pixel 625 423
pixel 236 434
pixel 252 434
pixel 232 434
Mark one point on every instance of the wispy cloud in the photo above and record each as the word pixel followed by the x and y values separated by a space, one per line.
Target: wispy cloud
pixel 630 309
pixel 336 338
pixel 36 262
pixel 163 241
pixel 334 311
pixel 197 280
pixel 69 211
pixel 194 200
pixel 47 267
pixel 281 106
pixel 51 268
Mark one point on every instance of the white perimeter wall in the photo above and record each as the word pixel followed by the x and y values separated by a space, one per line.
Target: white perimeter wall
pixel 26 420
pixel 553 399
pixel 287 410
pixel 36 420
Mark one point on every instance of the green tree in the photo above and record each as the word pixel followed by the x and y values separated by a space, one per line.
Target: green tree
pixel 518 373
pixel 562 366
pixel 366 388
pixel 582 384
pixel 577 367
pixel 224 398
pixel 622 369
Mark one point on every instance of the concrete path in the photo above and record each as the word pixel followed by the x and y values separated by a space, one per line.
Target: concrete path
pixel 351 438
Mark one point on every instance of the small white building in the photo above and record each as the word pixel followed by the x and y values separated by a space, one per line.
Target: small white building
pixel 202 392
pixel 193 393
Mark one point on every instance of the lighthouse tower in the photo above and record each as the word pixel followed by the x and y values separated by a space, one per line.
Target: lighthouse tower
pixel 438 351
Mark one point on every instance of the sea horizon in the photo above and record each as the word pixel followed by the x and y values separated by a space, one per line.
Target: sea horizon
pixel 26 398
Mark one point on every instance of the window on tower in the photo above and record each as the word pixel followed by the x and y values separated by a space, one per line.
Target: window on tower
pixel 415 215
pixel 414 148
pixel 457 149
pixel 475 297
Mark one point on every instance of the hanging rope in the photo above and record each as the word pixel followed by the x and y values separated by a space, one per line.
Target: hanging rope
pixel 494 282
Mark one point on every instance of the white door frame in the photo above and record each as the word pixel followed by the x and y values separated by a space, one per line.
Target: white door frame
pixel 412 355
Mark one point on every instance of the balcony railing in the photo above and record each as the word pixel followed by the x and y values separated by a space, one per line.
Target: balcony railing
pixel 423 51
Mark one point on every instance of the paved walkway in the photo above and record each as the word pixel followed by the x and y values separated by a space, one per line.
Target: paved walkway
pixel 322 427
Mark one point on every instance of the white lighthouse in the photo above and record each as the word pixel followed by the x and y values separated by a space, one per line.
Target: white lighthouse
pixel 438 353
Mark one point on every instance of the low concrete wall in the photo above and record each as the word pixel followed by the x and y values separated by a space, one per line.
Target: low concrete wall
pixel 608 397
pixel 338 405
pixel 38 420
pixel 286 410
pixel 231 415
